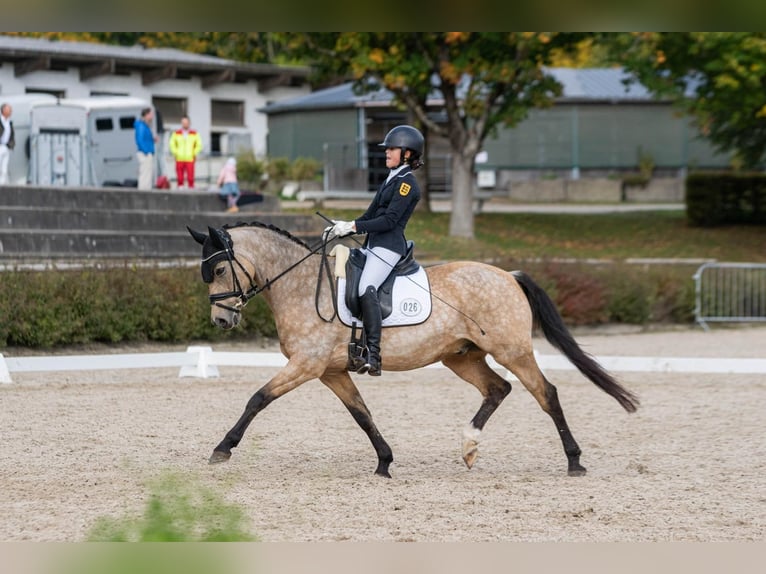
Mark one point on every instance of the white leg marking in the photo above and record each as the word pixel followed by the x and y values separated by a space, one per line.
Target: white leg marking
pixel 470 444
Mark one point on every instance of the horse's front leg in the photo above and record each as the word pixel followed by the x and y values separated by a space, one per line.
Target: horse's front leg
pixel 344 388
pixel 297 371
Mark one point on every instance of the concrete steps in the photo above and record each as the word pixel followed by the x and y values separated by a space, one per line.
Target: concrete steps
pixel 91 223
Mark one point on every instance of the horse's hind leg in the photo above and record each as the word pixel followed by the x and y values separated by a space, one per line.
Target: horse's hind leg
pixel 473 368
pixel 529 373
pixel 344 388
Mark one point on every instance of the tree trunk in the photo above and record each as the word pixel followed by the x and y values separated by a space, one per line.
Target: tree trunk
pixel 461 219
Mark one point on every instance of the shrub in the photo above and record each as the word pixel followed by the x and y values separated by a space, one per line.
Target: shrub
pixel 726 198
pixel 630 301
pixel 278 169
pixel 304 168
pixel 44 309
pixel 579 295
pixel 250 170
pixel 177 511
pixel 125 304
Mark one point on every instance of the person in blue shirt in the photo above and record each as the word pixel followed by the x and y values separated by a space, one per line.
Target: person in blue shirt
pixel 384 223
pixel 145 140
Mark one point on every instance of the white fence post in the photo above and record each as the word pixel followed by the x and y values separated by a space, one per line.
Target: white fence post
pixel 5 375
pixel 202 368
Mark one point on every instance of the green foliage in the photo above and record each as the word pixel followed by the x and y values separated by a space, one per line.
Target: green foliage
pixel 726 198
pixel 176 511
pixel 617 293
pixel 717 77
pixel 48 309
pixel 278 169
pixel 305 168
pixel 645 163
pixel 250 170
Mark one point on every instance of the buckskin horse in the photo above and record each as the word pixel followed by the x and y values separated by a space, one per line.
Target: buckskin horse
pixel 478 310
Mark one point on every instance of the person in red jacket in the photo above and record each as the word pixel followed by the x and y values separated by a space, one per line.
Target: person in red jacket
pixel 185 144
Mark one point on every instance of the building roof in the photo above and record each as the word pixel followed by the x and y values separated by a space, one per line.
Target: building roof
pixel 579 84
pixel 93 59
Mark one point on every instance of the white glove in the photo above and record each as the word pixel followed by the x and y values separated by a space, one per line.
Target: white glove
pixel 342 228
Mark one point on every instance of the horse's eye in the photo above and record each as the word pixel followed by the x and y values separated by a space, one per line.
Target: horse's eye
pixel 219 272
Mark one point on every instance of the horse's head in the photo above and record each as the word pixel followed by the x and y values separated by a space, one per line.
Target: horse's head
pixel 225 276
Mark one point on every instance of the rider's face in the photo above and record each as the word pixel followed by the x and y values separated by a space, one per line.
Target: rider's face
pixel 393 157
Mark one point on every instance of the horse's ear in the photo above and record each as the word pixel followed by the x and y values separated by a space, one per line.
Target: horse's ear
pixel 198 236
pixel 218 237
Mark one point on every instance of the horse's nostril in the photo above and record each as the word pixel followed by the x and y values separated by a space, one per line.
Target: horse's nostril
pixel 221 322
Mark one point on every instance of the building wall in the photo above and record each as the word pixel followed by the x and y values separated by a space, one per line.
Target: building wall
pixel 601 137
pixel 307 133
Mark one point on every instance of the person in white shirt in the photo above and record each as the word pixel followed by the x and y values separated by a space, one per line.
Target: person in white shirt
pixel 7 141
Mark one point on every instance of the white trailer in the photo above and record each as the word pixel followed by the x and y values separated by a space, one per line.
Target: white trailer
pixel 21 110
pixel 85 142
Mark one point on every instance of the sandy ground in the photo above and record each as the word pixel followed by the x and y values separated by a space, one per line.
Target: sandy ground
pixel 689 465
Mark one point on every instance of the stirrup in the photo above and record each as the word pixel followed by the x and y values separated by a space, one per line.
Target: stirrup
pixel 356 351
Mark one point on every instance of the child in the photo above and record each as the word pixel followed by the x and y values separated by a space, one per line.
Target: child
pixel 227 181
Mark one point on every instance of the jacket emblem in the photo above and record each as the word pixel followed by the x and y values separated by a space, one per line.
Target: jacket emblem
pixel 404 189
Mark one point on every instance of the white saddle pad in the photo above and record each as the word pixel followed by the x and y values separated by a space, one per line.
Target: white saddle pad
pixel 410 301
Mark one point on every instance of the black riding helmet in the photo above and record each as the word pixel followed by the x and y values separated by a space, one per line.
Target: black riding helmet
pixel 406 138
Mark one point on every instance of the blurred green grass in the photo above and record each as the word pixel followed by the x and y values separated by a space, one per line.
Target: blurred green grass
pixel 615 236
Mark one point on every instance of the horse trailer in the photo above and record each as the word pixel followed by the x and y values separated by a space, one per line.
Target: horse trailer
pixel 85 142
pixel 21 106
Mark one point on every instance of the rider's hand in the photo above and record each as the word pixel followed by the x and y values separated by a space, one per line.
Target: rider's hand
pixel 342 229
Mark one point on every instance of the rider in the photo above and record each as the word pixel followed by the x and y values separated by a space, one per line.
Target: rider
pixel 384 223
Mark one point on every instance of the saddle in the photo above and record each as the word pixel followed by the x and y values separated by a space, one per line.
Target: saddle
pixel 355 264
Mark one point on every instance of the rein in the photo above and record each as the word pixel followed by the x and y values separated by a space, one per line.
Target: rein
pixel 254 289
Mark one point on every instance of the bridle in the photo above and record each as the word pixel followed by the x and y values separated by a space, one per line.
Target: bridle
pixel 254 289
pixel 242 295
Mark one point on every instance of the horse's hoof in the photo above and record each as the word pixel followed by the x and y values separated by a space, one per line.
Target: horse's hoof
pixel 219 456
pixel 470 457
pixel 382 472
pixel 577 471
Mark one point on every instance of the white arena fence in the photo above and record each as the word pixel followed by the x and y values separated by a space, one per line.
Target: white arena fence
pixel 203 362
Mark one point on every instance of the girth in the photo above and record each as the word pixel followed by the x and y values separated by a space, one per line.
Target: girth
pixel 354 266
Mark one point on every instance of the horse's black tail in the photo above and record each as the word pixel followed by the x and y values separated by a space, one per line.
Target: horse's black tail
pixel 548 318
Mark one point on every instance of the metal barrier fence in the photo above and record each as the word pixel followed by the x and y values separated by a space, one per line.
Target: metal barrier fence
pixel 730 292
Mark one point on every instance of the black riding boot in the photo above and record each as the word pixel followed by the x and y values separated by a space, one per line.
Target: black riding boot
pixel 372 322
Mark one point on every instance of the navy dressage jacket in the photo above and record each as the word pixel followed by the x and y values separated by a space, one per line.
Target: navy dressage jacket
pixel 388 213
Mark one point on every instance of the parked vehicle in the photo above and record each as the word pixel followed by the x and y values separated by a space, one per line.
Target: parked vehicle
pixel 85 142
pixel 22 104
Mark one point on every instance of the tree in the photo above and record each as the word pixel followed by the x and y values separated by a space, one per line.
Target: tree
pixel 484 80
pixel 717 77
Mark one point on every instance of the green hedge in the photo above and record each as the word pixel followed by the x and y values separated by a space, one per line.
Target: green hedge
pixel 618 293
pixel 57 308
pixel 726 198
pixel 132 305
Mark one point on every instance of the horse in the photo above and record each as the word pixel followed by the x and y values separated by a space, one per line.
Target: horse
pixel 479 310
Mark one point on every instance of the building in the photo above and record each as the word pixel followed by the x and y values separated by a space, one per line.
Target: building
pixel 599 126
pixel 221 97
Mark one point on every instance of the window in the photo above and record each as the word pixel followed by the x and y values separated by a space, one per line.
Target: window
pixel 171 109
pixel 215 143
pixel 98 93
pixel 104 124
pixel 57 93
pixel 227 113
pixel 127 122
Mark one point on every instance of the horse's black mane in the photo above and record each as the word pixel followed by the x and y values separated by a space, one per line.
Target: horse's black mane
pixel 270 227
